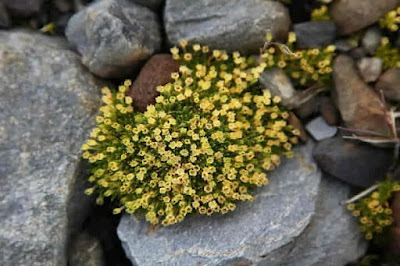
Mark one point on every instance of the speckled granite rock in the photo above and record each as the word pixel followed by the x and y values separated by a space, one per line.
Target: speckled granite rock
pixel 114 36
pixel 225 24
pixel 47 105
pixel 279 213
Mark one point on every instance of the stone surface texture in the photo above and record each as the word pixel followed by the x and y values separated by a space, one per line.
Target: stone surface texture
pixel 370 68
pixel 157 71
pixel 234 25
pixel 319 129
pixel 371 39
pixel 314 34
pixel 114 36
pixel 389 84
pixel 47 108
pixel 23 8
pixel 86 250
pixel 351 16
pixel 153 4
pixel 357 164
pixel 359 105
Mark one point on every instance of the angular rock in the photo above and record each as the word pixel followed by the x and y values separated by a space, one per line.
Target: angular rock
pixel 86 251
pixel 156 72
pixel 296 123
pixel 320 130
pixel 234 25
pixel 278 214
pixel 355 163
pixel 47 108
pixel 153 4
pixel 314 34
pixel 328 111
pixel 114 37
pixel 371 39
pixel 351 16
pixel 23 8
pixel 337 244
pixel 359 105
pixel 278 83
pixel 370 68
pixel 4 18
pixel 389 83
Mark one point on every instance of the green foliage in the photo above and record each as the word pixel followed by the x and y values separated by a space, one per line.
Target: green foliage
pixel 390 55
pixel 320 14
pixel 373 212
pixel 391 20
pixel 203 146
pixel 308 67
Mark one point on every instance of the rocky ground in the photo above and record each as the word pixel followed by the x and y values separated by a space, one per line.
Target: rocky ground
pixel 56 55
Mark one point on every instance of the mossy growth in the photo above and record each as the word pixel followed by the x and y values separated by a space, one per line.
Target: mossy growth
pixel 206 143
pixel 320 14
pixel 391 20
pixel 307 67
pixel 373 212
pixel 390 55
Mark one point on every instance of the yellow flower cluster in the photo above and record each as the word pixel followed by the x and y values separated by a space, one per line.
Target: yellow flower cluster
pixel 373 212
pixel 320 14
pixel 390 55
pixel 206 143
pixel 308 67
pixel 391 20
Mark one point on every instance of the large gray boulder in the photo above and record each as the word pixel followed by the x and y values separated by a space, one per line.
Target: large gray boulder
pixel 295 220
pixel 114 36
pixel 47 105
pixel 279 213
pixel 225 24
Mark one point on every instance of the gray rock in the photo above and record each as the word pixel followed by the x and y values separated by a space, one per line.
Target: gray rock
pixel 239 25
pixel 332 238
pixel 114 36
pixel 389 84
pixel 359 105
pixel 278 83
pixel 23 8
pixel 278 214
pixel 344 45
pixel 313 34
pixel 4 18
pixel 153 4
pixel 86 251
pixel 370 68
pixel 47 107
pixel 320 130
pixel 371 39
pixel 351 16
pixel 357 164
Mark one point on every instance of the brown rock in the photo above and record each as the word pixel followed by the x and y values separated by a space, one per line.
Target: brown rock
pixel 389 83
pixel 359 105
pixel 353 15
pixel 328 111
pixel 157 71
pixel 296 123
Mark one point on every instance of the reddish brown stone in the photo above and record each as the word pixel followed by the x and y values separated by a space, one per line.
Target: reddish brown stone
pixel 156 72
pixel 328 111
pixel 296 123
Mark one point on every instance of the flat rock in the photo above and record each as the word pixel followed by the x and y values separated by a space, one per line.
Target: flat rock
pixel 389 84
pixel 320 130
pixel 337 244
pixel 314 34
pixel 359 105
pixel 351 16
pixel 114 36
pixel 355 163
pixel 47 108
pixel 233 25
pixel 278 214
pixel 370 68
pixel 156 72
